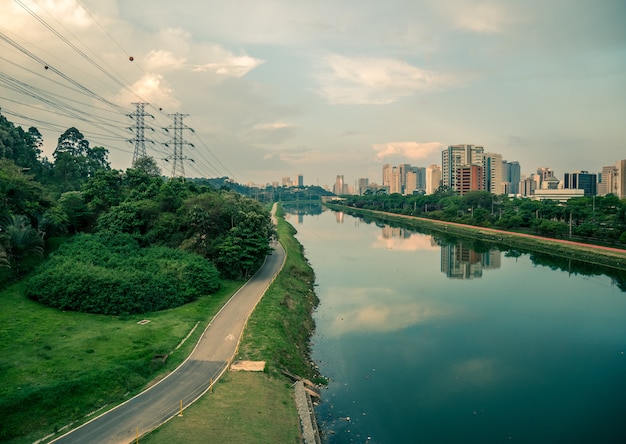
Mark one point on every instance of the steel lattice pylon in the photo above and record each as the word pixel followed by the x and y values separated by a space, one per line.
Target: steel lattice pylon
pixel 178 158
pixel 140 127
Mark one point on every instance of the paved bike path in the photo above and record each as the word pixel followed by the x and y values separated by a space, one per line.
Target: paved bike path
pixel 207 362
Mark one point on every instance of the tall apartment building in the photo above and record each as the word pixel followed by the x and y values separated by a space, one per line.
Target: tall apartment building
pixel 612 180
pixel 391 179
pixel 456 156
pixel 581 180
pixel 606 180
pixel 469 178
pixel 300 180
pixel 387 171
pixel 362 185
pixel 433 178
pixel 494 176
pixel 512 176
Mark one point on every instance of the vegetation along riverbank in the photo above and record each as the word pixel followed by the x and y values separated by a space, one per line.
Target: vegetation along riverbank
pixel 593 254
pixel 259 407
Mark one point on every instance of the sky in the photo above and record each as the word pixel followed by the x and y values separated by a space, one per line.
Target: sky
pixel 277 88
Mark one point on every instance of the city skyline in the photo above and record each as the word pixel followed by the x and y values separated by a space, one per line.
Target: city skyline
pixel 274 89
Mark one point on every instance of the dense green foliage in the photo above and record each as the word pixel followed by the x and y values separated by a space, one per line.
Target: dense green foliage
pixel 175 233
pixel 115 276
pixel 598 219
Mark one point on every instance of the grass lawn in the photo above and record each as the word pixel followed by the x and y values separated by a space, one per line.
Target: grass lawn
pixel 56 366
pixel 244 407
pixel 252 407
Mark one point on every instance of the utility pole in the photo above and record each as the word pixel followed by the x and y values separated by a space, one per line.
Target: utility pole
pixel 140 127
pixel 178 167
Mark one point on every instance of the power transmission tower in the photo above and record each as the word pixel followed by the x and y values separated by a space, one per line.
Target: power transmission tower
pixel 140 127
pixel 178 167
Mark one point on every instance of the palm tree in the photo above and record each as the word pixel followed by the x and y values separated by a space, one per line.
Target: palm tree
pixel 4 259
pixel 19 239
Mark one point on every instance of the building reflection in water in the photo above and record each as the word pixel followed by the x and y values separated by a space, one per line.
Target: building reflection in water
pixel 459 261
pixel 339 215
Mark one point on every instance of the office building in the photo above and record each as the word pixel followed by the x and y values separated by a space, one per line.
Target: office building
pixel 581 180
pixel 512 176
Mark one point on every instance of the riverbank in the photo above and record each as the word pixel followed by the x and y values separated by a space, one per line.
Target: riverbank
pixel 593 254
pixel 260 407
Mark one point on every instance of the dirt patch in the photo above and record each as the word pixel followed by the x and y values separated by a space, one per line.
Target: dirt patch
pixel 248 366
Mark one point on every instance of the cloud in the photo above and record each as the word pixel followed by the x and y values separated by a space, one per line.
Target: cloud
pixel 370 80
pixel 152 88
pixel 401 240
pixel 230 65
pixel 379 310
pixel 160 60
pixel 271 126
pixel 408 150
pixel 483 17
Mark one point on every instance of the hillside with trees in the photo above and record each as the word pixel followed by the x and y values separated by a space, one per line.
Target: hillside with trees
pixel 91 238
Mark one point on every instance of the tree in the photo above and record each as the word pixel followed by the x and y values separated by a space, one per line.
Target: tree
pixel 20 240
pixel 103 190
pixel 19 193
pixel 76 210
pixel 75 162
pixel 148 166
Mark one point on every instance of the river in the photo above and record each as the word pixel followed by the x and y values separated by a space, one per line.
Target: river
pixel 441 340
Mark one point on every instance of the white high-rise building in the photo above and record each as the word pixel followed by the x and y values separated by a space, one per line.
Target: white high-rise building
pixel 494 177
pixel 410 182
pixel 433 179
pixel 456 156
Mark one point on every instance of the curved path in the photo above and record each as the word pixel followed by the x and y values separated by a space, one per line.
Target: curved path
pixel 206 364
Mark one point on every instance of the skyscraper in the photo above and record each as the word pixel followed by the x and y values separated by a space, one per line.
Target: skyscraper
pixel 494 177
pixel 300 180
pixel 606 180
pixel 620 179
pixel 512 175
pixel 433 178
pixel 456 156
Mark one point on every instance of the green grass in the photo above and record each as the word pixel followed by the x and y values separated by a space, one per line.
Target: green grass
pixel 58 366
pixel 259 408
pixel 280 328
pixel 244 407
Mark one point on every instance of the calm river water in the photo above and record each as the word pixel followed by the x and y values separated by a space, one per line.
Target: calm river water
pixel 430 340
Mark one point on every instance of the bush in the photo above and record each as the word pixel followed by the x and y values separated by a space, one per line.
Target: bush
pixel 112 275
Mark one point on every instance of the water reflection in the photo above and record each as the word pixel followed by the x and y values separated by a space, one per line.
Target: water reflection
pixel 367 309
pixel 459 261
pixel 397 238
pixel 417 349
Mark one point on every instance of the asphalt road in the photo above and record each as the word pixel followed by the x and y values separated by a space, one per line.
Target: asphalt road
pixel 207 362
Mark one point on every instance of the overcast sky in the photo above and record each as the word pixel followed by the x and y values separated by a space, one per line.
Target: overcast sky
pixel 276 88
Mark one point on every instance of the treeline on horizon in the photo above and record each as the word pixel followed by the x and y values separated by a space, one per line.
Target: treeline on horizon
pixel 597 219
pixel 90 238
